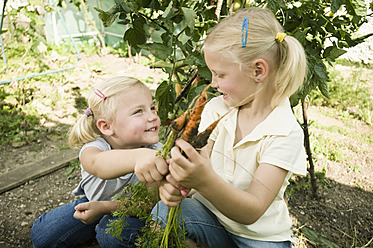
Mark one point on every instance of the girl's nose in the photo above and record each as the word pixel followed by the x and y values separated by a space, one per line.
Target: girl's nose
pixel 152 116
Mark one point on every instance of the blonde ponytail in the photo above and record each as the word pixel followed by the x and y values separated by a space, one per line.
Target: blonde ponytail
pixel 292 69
pixel 84 131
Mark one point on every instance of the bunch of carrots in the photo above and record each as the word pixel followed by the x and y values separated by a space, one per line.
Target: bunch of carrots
pixel 186 126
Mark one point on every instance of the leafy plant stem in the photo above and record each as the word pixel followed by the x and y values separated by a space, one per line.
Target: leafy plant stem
pixel 172 231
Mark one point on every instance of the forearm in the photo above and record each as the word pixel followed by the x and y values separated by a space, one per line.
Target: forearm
pixel 115 163
pixel 236 204
pixel 250 204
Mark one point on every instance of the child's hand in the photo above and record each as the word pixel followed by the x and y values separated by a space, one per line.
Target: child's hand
pixel 191 172
pixel 170 192
pixel 88 212
pixel 151 169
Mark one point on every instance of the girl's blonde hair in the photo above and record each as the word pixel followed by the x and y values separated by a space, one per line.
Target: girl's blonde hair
pixel 102 106
pixel 286 58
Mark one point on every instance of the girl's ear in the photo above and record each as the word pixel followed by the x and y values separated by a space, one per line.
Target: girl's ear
pixel 104 127
pixel 261 68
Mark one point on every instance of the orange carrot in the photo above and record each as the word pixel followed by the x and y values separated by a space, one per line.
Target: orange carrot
pixel 191 128
pixel 179 123
pixel 200 140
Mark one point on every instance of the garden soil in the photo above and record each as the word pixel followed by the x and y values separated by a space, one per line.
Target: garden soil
pixel 342 215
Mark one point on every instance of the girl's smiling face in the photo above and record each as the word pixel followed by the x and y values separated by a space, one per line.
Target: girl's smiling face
pixel 136 120
pixel 229 80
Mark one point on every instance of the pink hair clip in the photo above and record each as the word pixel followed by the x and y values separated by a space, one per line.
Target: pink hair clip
pixel 100 94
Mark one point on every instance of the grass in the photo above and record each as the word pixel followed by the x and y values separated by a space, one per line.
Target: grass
pixel 351 104
pixel 350 93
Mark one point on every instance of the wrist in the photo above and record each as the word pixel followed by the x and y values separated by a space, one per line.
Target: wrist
pixel 209 184
pixel 108 206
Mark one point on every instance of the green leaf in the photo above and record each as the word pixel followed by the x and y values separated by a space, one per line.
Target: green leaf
pixel 336 4
pixel 133 5
pixel 294 99
pixel 168 13
pixel 320 70
pixel 158 50
pixel 106 17
pixel 136 34
pixel 189 17
pixel 195 92
pixel 165 95
pixel 204 72
pixel 122 5
pixel 356 7
pixel 332 53
pixel 144 3
pixel 323 87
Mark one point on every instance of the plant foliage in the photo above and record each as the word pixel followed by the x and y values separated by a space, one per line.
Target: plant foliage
pixel 173 31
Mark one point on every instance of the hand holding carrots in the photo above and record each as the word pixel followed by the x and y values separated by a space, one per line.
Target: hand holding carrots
pixel 169 193
pixel 150 169
pixel 191 172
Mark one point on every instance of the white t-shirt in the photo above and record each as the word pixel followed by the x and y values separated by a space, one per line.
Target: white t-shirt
pixel 278 140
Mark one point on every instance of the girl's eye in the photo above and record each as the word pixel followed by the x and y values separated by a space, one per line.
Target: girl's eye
pixel 153 108
pixel 218 75
pixel 139 111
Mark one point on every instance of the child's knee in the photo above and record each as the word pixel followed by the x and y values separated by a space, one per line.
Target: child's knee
pixel 38 238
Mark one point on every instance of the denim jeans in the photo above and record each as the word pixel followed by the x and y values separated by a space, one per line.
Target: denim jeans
pixel 58 228
pixel 203 227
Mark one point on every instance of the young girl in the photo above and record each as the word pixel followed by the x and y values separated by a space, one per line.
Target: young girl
pixel 241 175
pixel 118 135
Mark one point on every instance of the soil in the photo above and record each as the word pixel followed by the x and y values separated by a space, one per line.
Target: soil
pixel 343 213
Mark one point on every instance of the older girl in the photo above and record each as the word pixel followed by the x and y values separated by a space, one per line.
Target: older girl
pixel 241 175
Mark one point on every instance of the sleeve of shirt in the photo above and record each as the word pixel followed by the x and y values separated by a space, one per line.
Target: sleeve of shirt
pixel 286 152
pixel 99 143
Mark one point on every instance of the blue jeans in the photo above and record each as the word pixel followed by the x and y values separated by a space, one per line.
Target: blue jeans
pixel 58 228
pixel 203 227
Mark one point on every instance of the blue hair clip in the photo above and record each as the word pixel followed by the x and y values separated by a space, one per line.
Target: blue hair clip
pixel 245 25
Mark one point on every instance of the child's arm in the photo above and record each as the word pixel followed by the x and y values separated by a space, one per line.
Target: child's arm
pixel 115 163
pixel 88 212
pixel 196 172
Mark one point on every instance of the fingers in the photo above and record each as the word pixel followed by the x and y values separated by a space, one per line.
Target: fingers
pixel 80 215
pixel 81 206
pixel 160 170
pixel 184 191
pixel 161 165
pixel 172 181
pixel 187 148
pixel 169 194
pixel 153 170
